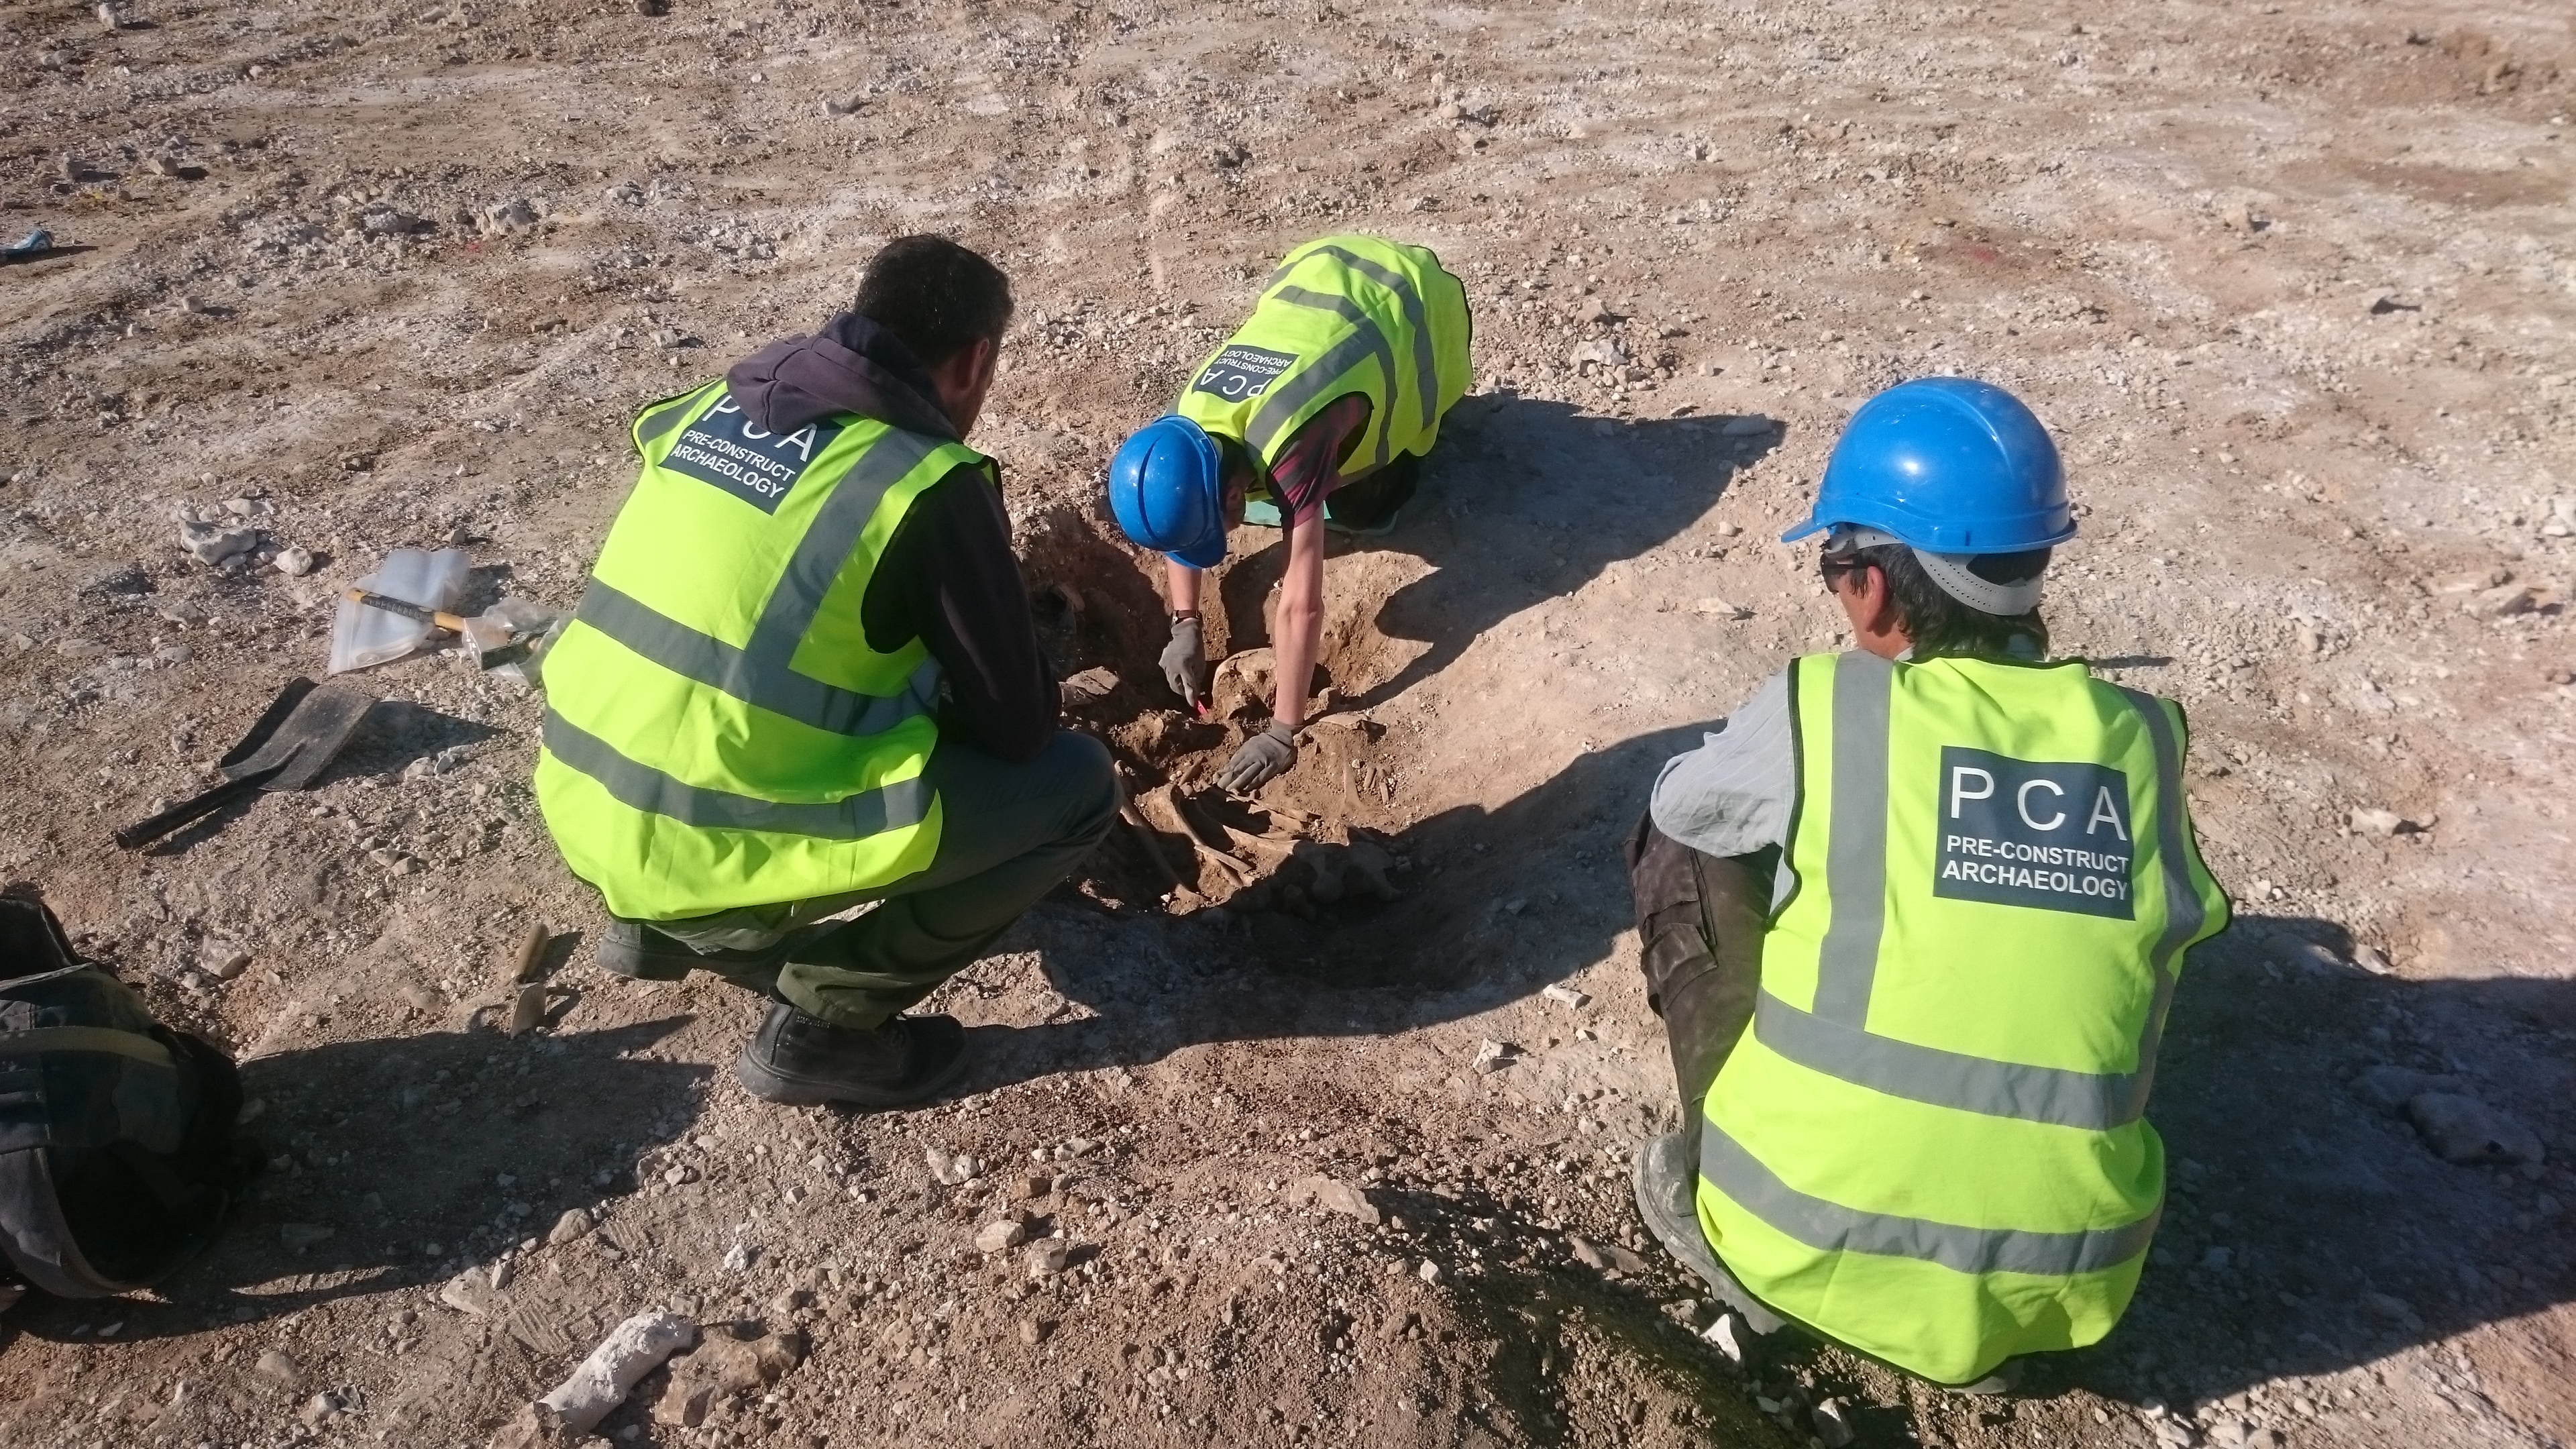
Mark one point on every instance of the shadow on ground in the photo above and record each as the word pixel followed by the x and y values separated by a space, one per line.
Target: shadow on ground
pixel 2309 1229
pixel 399 1116
pixel 1524 500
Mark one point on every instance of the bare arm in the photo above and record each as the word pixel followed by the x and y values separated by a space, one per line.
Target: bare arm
pixel 1298 632
pixel 1180 586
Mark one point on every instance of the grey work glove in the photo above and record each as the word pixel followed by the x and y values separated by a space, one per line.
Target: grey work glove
pixel 1185 665
pixel 1263 758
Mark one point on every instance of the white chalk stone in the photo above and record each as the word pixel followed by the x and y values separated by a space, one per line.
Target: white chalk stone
pixel 632 1349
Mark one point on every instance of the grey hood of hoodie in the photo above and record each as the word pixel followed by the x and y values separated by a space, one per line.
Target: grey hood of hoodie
pixel 851 365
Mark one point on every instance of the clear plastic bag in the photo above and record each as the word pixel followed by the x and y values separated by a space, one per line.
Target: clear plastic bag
pixel 362 637
pixel 537 624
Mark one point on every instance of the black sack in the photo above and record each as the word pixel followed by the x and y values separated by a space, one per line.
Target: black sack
pixel 118 1157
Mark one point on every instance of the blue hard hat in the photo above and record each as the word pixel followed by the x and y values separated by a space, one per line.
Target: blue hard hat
pixel 1948 465
pixel 1167 488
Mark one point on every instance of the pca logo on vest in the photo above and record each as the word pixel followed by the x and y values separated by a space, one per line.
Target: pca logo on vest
pixel 1241 372
pixel 2048 835
pixel 726 448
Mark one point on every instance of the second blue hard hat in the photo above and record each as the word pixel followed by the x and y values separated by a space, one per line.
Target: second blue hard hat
pixel 1946 464
pixel 1167 489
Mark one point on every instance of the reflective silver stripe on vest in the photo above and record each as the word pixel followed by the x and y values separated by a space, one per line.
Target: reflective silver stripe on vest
pixel 737 672
pixel 1426 359
pixel 762 672
pixel 1834 1039
pixel 641 787
pixel 1832 1228
pixel 2185 912
pixel 1950 1079
pixel 1367 339
pixel 1856 850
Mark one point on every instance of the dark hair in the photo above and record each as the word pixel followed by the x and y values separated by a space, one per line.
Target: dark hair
pixel 936 297
pixel 1936 623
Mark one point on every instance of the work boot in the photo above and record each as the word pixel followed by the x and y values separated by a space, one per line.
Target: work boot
pixel 2005 1379
pixel 1666 1182
pixel 803 1060
pixel 636 950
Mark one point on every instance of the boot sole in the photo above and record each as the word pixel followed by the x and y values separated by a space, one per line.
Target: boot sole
pixel 771 1086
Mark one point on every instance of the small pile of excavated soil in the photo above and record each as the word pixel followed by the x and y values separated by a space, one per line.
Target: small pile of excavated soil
pixel 1316 845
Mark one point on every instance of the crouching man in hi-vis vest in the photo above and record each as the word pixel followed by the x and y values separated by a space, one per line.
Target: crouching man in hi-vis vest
pixel 1913 920
pixel 805 677
pixel 1316 414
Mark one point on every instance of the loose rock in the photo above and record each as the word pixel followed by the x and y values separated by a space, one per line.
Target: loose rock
pixel 1001 1235
pixel 2293 949
pixel 2502 602
pixel 1049 1258
pixel 471 1292
pixel 574 1224
pixel 1564 995
pixel 633 1349
pixel 1336 1196
pixel 1603 1257
pixel 294 562
pixel 213 543
pixel 1727 1335
pixel 1833 1423
pixel 727 1363
pixel 513 215
pixel 2463 1129
pixel 274 1366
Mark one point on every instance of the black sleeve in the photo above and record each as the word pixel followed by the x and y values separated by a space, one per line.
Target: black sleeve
pixel 948 579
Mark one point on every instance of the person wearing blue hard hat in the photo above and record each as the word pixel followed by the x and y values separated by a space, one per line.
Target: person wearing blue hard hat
pixel 1913 917
pixel 1315 414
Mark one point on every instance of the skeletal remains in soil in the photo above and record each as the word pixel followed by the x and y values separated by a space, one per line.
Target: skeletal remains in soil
pixel 1271 857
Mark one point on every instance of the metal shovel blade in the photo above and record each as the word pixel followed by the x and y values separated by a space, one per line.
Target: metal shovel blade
pixel 308 739
pixel 294 739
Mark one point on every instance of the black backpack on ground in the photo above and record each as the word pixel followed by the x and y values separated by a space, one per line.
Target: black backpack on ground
pixel 118 1156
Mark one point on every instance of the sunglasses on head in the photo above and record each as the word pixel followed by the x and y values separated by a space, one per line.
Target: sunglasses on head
pixel 1831 567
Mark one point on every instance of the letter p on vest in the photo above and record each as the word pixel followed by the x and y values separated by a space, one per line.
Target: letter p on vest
pixel 1959 791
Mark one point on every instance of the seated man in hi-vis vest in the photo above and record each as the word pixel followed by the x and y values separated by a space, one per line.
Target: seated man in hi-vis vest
pixel 1315 415
pixel 1947 884
pixel 805 677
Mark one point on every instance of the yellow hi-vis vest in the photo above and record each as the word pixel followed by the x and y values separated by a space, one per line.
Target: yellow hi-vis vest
pixel 1341 315
pixel 1930 1145
pixel 718 732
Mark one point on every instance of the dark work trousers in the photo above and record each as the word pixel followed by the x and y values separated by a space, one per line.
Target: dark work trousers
pixel 1700 920
pixel 1008 832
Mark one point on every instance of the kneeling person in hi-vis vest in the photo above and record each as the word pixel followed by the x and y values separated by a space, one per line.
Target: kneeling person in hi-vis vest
pixel 1315 415
pixel 805 677
pixel 1913 919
